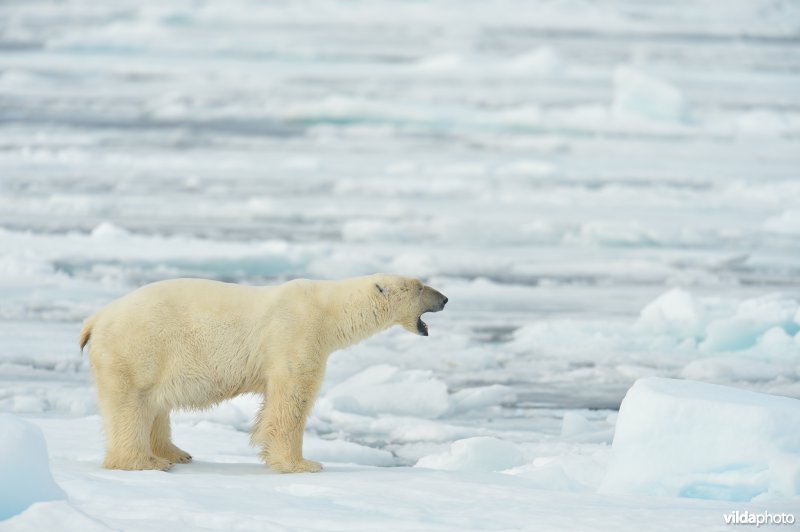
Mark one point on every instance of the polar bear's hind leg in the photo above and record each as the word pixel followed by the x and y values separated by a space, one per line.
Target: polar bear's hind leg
pixel 161 441
pixel 128 418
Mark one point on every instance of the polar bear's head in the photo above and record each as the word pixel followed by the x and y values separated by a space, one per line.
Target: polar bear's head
pixel 408 299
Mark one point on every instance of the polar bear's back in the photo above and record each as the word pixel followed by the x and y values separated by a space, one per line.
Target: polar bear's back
pixel 178 329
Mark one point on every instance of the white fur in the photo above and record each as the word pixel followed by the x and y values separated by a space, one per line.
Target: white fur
pixel 191 343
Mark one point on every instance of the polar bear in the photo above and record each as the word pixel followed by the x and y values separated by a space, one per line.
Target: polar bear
pixel 191 343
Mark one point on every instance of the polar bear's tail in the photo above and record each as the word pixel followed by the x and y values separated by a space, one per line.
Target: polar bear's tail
pixel 86 332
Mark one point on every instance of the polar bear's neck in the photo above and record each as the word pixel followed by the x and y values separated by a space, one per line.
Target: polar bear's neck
pixel 356 316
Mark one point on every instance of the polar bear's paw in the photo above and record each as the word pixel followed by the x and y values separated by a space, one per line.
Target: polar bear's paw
pixel 303 466
pixel 174 455
pixel 307 466
pixel 180 457
pixel 136 463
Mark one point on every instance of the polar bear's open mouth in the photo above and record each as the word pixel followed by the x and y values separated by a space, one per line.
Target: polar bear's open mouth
pixel 422 327
pixel 430 301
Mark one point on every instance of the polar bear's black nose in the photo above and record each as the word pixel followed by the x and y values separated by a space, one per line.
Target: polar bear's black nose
pixel 445 301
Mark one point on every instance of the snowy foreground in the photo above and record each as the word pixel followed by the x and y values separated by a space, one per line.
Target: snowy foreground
pixel 606 192
pixel 673 438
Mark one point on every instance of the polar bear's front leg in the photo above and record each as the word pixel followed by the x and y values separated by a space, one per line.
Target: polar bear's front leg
pixel 281 422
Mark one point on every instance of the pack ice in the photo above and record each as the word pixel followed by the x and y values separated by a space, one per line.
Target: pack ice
pixel 24 467
pixel 692 439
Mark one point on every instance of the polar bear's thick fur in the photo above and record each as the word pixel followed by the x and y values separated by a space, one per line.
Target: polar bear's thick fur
pixel 191 343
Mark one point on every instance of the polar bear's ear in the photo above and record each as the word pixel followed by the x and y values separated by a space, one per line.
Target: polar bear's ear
pixel 380 289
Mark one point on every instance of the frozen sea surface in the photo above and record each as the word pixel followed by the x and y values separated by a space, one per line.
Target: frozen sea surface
pixel 605 191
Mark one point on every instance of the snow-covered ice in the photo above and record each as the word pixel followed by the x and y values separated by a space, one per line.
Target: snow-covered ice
pixel 606 191
pixel 692 439
pixel 481 453
pixel 24 467
pixel 637 94
pixel 388 389
pixel 59 515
